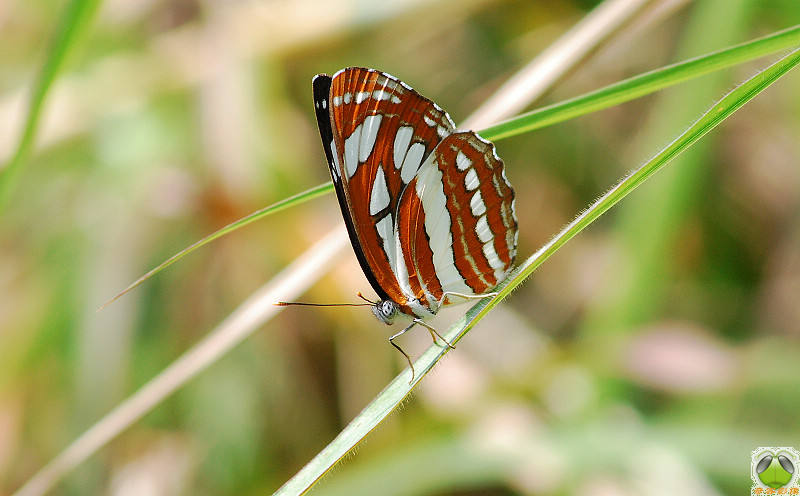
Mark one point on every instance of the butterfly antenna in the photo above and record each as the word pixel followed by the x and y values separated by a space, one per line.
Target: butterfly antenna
pixel 306 304
pixel 373 303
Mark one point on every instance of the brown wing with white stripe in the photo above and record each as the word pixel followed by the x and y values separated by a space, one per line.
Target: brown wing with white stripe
pixel 377 132
pixel 457 225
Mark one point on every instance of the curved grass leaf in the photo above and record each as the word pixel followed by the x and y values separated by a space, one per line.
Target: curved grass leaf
pixel 644 84
pixel 614 94
pixel 306 195
pixel 388 399
pixel 76 17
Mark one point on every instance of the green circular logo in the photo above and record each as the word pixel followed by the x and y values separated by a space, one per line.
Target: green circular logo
pixel 775 470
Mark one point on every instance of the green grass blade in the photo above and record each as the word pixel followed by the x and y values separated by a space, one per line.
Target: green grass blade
pixel 718 113
pixel 388 399
pixel 611 95
pixel 74 21
pixel 650 82
pixel 306 195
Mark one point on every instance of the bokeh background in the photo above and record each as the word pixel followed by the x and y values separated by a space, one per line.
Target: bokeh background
pixel 649 356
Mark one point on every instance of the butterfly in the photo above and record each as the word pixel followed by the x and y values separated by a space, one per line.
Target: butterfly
pixel 428 208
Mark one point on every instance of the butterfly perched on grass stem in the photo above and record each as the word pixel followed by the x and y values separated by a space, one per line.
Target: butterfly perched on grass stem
pixel 428 208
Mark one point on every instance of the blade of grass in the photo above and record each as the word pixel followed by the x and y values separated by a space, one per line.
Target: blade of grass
pixel 388 399
pixel 306 195
pixel 729 104
pixel 638 86
pixel 73 22
pixel 621 92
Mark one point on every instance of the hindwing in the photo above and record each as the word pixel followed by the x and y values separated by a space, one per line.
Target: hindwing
pixel 457 221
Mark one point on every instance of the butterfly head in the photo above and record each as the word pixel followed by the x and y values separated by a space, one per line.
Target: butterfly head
pixel 386 311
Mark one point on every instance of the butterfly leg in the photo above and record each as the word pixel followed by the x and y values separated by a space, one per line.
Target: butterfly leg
pixel 434 333
pixel 408 358
pixel 466 296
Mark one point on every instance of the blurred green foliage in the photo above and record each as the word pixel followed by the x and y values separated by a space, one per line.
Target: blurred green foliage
pixel 650 356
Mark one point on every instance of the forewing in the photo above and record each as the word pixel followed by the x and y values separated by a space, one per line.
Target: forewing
pixel 376 131
pixel 322 86
pixel 457 220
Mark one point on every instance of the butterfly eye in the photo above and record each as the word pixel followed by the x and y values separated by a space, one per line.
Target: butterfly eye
pixel 389 309
pixel 386 311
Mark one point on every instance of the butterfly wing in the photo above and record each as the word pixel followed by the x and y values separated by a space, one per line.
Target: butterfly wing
pixel 457 225
pixel 376 132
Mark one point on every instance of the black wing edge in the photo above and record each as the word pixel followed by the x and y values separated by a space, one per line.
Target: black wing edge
pixel 322 90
